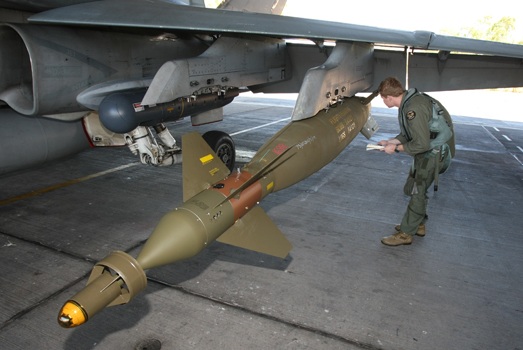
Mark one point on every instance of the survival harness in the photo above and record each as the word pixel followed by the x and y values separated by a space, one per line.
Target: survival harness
pixel 440 134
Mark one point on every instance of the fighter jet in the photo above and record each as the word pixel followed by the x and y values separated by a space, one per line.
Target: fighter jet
pixel 56 67
pixel 76 74
pixel 120 69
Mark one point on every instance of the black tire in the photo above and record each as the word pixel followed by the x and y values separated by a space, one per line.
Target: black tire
pixel 223 145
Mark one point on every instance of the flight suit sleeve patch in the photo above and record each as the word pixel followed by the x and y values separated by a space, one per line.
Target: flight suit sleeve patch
pixel 411 115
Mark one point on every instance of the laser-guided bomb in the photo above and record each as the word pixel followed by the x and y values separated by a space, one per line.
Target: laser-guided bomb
pixel 223 206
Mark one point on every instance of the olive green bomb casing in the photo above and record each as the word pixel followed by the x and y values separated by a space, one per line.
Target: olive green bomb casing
pixel 222 206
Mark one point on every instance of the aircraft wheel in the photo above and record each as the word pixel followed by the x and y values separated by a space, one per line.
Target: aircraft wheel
pixel 223 145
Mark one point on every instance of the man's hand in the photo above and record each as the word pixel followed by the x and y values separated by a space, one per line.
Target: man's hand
pixel 389 148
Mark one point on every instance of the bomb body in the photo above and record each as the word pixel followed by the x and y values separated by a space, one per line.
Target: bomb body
pixel 222 206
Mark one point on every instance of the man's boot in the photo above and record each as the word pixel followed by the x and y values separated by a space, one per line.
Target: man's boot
pixel 399 238
pixel 420 232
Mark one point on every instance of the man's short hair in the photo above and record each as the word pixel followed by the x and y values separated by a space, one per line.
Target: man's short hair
pixel 391 87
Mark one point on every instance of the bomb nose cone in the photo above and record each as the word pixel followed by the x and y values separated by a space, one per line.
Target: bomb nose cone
pixel 71 315
pixel 115 280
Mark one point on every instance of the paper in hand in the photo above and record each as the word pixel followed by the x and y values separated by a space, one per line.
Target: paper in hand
pixel 371 146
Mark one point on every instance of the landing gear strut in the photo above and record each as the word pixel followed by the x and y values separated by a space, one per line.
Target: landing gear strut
pixel 164 151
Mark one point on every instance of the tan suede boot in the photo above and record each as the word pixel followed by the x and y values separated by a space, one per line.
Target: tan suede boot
pixel 399 238
pixel 420 232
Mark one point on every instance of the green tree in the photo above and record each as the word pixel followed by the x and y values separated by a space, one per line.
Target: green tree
pixel 500 30
pixel 489 29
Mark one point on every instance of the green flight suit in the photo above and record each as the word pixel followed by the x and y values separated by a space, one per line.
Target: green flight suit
pixel 414 115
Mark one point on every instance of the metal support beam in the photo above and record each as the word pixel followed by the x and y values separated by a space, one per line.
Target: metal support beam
pixel 229 62
pixel 348 70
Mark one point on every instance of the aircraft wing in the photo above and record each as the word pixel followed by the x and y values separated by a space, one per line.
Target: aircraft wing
pixel 44 5
pixel 167 16
pixel 119 66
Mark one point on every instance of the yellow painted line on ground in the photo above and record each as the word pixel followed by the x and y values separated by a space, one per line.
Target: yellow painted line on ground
pixel 64 184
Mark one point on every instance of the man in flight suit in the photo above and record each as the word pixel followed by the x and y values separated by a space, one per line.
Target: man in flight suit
pixel 426 133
